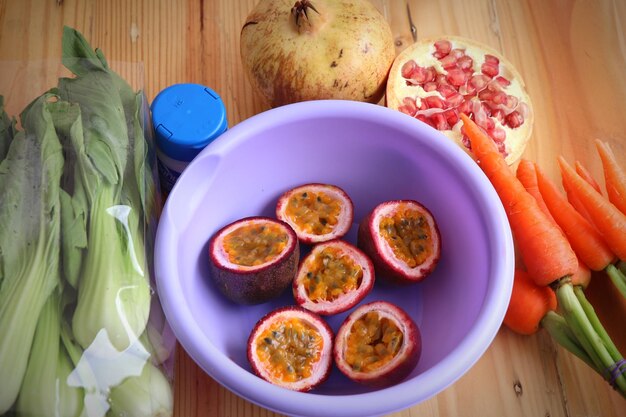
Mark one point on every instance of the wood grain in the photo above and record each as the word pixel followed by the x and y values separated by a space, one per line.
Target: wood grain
pixel 572 55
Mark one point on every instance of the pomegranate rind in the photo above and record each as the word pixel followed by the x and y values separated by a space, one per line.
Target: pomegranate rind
pixel 375 246
pixel 421 52
pixel 345 217
pixel 321 369
pixel 345 301
pixel 400 366
pixel 253 284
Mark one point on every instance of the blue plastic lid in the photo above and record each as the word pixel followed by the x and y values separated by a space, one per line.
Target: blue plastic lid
pixel 186 118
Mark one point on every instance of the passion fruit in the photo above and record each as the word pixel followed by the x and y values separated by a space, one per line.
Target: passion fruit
pixel 291 347
pixel 402 239
pixel 377 345
pixel 333 278
pixel 254 260
pixel 317 212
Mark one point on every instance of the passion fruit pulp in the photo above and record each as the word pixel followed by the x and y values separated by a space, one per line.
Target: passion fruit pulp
pixel 333 278
pixel 291 347
pixel 316 212
pixel 254 260
pixel 402 239
pixel 377 345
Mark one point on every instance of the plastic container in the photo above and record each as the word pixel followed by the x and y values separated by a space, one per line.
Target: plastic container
pixel 186 118
pixel 459 308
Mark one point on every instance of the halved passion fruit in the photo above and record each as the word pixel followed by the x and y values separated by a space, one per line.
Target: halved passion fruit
pixel 317 212
pixel 402 239
pixel 333 278
pixel 378 345
pixel 291 347
pixel 254 259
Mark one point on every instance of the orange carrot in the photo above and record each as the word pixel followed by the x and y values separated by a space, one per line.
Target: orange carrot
pixel 585 239
pixel 610 222
pixel 546 253
pixel 528 177
pixel 614 176
pixel 529 303
pixel 527 174
pixel 586 175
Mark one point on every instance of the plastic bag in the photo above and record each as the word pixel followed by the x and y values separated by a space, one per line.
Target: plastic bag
pixel 83 333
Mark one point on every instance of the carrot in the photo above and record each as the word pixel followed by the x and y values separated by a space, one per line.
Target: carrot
pixel 585 239
pixel 546 253
pixel 614 176
pixel 528 305
pixel 527 174
pixel 586 175
pixel 610 222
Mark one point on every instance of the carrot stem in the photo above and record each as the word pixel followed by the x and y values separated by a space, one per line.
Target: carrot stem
pixel 557 327
pixel 617 277
pixel 587 333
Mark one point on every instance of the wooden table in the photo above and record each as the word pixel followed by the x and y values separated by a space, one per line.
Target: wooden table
pixel 572 55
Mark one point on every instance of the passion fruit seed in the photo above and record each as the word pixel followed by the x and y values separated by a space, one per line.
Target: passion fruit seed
pixel 314 212
pixel 289 348
pixel 373 342
pixel 408 234
pixel 331 274
pixel 255 244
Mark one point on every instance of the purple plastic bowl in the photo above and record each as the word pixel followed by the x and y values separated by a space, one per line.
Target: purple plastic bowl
pixel 374 154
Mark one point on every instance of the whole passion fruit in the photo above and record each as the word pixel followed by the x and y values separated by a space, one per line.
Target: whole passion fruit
pixel 402 239
pixel 316 212
pixel 291 347
pixel 377 345
pixel 254 259
pixel 333 278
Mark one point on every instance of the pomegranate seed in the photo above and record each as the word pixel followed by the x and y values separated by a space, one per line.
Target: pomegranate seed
pixel 425 119
pixel 448 62
pixel 489 69
pixel 490 124
pixel 486 95
pixel 408 106
pixel 435 102
pixel 511 102
pixel 503 81
pixel 455 100
pixel 524 110
pixel 457 53
pixel 514 119
pixel 431 73
pixel 479 81
pixel 499 98
pixel 408 68
pixel 465 62
pixel 490 59
pixel 452 116
pixel 430 86
pixel 467 89
pixel 446 90
pixel 457 77
pixel 440 121
pixel 486 109
pixel 418 75
pixel 423 105
pixel 498 114
pixel 442 48
pixel 441 79
pixel 497 134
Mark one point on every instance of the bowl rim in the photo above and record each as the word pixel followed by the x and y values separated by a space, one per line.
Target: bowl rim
pixel 406 394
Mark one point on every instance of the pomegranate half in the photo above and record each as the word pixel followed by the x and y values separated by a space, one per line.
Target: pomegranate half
pixel 316 212
pixel 402 239
pixel 435 80
pixel 254 259
pixel 333 278
pixel 291 347
pixel 378 345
